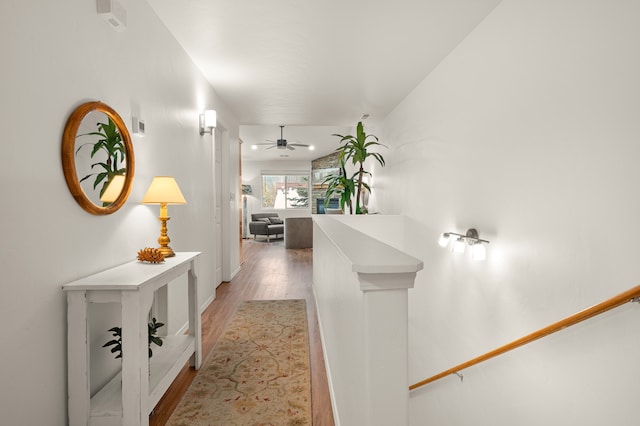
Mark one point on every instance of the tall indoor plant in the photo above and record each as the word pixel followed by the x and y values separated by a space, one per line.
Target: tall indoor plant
pixel 340 185
pixel 357 149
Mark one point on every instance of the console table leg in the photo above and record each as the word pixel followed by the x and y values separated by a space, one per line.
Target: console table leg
pixel 78 358
pixel 194 317
pixel 135 368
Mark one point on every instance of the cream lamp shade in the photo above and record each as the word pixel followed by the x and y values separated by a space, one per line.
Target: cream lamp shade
pixel 163 190
pixel 113 189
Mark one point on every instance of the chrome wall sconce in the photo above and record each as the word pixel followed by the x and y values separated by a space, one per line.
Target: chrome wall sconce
pixel 478 250
pixel 208 122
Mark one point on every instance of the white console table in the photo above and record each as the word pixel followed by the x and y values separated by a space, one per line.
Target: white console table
pixel 130 397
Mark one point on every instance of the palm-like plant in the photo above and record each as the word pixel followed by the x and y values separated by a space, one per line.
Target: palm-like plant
pixel 357 149
pixel 340 185
pixel 111 144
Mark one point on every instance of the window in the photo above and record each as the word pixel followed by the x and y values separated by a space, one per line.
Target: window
pixel 285 191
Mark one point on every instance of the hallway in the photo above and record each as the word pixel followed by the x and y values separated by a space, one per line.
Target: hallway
pixel 269 271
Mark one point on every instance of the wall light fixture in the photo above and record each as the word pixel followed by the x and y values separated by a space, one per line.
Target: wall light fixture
pixel 478 249
pixel 207 122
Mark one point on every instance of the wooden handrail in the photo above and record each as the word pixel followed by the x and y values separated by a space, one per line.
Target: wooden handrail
pixel 628 296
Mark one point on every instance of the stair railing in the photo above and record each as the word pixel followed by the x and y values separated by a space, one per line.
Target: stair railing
pixel 632 295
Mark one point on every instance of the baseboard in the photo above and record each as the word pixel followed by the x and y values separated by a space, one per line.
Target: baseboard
pixel 234 273
pixel 204 306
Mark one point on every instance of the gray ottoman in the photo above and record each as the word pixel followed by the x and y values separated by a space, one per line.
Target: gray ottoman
pixel 298 232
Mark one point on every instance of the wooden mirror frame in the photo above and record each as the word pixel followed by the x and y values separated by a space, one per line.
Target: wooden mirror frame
pixel 69 161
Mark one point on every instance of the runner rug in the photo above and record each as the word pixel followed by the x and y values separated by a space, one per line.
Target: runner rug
pixel 258 373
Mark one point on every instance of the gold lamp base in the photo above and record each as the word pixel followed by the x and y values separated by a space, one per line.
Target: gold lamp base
pixel 164 239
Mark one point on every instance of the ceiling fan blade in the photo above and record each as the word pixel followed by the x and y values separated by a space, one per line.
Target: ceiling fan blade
pixel 299 144
pixel 266 143
pixel 289 147
pixel 271 147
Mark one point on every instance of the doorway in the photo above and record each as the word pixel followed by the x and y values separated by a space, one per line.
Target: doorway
pixel 217 197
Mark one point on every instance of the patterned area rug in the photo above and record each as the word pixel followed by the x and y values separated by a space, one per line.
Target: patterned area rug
pixel 258 373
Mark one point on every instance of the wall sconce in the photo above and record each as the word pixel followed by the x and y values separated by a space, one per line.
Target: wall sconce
pixel 207 121
pixel 164 190
pixel 478 250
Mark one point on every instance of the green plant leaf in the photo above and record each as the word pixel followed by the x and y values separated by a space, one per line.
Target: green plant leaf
pixel 97 147
pixel 99 178
pixel 156 340
pixel 93 134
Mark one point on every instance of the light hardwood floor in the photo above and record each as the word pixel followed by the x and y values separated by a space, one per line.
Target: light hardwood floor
pixel 269 271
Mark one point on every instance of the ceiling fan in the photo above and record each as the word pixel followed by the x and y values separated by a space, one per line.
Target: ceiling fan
pixel 282 143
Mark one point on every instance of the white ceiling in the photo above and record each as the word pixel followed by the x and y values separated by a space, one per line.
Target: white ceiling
pixel 316 64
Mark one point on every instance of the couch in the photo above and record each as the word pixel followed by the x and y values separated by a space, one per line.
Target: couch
pixel 266 224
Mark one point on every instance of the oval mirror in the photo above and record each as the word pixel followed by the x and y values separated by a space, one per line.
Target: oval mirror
pixel 97 158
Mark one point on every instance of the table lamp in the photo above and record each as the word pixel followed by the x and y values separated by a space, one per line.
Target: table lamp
pixel 164 190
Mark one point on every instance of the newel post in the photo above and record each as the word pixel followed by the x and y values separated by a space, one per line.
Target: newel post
pixel 385 311
pixel 361 285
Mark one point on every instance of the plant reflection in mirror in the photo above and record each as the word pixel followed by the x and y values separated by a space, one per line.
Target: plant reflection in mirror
pixel 109 142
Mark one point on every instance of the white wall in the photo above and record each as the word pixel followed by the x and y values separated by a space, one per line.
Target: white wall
pixel 252 175
pixel 55 56
pixel 529 132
